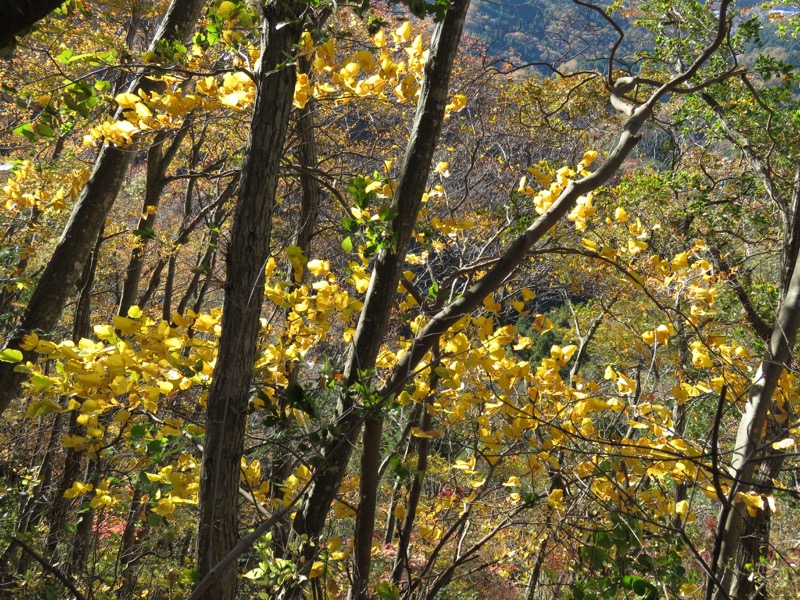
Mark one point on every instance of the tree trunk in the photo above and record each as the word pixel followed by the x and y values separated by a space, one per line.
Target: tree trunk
pixel 402 559
pixel 750 582
pixel 244 292
pixel 87 218
pixel 158 161
pixel 749 441
pixel 129 544
pixel 19 17
pixel 372 325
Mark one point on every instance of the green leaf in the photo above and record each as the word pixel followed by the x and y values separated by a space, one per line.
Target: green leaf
pixel 147 233
pixel 65 56
pixel 596 556
pixel 27 132
pixel 398 468
pixel 347 245
pixel 156 446
pixel 387 591
pixel 45 130
pixel 41 382
pixel 10 355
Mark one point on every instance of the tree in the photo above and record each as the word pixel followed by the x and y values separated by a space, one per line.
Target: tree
pixel 535 346
pixel 247 257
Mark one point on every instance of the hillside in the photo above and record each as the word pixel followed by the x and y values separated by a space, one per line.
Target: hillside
pixel 544 32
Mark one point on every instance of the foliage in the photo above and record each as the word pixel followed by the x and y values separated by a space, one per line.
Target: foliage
pixel 565 438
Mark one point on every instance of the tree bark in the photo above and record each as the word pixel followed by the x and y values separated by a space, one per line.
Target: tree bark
pixel 19 16
pixel 749 440
pixel 158 161
pixel 311 516
pixel 244 292
pixel 88 216
pixel 402 558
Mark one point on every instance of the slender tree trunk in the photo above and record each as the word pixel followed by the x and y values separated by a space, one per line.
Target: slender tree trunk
pixel 82 538
pixel 365 518
pixel 244 292
pixel 87 218
pixel 310 518
pixel 129 544
pixel 749 441
pixel 402 558
pixel 536 571
pixel 158 161
pixel 203 264
pixel 750 582
pixel 306 155
pixel 391 520
pixel 34 506
pixel 204 267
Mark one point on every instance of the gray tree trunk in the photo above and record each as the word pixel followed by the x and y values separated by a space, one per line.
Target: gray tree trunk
pixel 311 516
pixel 244 293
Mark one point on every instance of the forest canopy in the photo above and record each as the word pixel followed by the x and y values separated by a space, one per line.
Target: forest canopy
pixel 377 300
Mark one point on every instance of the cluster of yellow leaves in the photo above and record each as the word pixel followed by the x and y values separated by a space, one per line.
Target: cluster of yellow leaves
pixel 24 189
pixel 180 485
pixel 150 111
pixel 126 373
pixel 373 72
pixel 555 183
pixel 387 69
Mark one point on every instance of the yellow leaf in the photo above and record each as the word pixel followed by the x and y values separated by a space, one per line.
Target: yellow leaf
pixel 680 261
pixel 419 433
pixel 29 341
pixel 431 534
pixel 689 590
pixel 588 158
pixel 753 502
pixel 90 407
pixel 458 103
pixel 142 110
pixel 457 344
pixel 784 444
pixel 403 33
pixel 165 507
pixel 682 507
pixel 226 10
pixel 45 406
pixel 318 268
pixel 317 569
pixel 523 343
pixel 342 510
pixel 125 325
pixel 663 333
pixel 556 499
pixel 78 489
pixel 233 99
pixel 568 351
pixel 127 100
